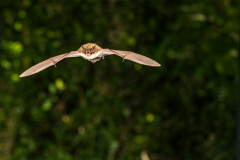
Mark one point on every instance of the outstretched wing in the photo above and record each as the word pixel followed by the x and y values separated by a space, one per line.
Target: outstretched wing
pixel 132 57
pixel 49 62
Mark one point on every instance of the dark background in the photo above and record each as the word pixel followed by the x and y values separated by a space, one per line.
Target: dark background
pixel 185 109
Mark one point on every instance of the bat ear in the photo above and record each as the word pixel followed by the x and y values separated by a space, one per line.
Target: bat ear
pixel 93 48
pixel 83 48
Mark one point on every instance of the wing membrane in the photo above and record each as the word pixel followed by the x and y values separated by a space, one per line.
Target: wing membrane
pixel 138 58
pixel 47 63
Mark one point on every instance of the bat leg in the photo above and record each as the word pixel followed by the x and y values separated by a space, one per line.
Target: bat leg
pixel 53 63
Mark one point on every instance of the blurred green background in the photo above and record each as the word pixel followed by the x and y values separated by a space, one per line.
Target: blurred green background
pixel 185 109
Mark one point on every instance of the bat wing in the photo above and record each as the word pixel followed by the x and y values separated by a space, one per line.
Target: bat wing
pixel 49 62
pixel 132 57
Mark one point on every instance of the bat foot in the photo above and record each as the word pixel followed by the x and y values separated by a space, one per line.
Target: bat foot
pixel 102 56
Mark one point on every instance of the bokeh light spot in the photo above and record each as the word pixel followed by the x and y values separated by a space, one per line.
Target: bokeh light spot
pixel 65 118
pixel 60 84
pixel 15 77
pixel 47 105
pixel 81 130
pixel 22 14
pixel 6 64
pixel 18 26
pixel 150 117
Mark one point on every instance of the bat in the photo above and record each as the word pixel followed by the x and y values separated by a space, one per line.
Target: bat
pixel 91 52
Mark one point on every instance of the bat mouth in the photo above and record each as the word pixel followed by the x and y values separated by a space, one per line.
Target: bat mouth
pixel 88 53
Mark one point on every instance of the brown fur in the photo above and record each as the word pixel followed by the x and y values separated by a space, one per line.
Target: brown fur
pixel 88 47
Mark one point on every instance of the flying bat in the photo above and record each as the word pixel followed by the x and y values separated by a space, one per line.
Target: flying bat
pixel 93 53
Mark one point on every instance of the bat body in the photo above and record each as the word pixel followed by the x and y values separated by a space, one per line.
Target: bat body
pixel 93 53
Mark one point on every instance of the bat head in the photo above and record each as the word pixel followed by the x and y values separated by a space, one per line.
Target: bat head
pixel 89 49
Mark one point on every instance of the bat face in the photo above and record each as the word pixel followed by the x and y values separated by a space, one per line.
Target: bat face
pixel 89 49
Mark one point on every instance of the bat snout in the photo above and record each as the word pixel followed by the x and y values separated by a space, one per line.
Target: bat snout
pixel 88 53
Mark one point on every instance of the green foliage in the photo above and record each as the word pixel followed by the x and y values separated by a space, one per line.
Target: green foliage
pixel 185 109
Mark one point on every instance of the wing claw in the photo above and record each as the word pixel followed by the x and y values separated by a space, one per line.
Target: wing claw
pixel 53 63
pixel 124 57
